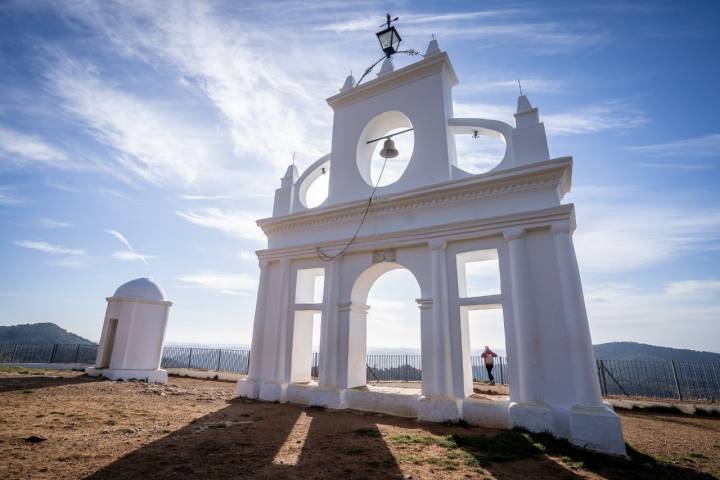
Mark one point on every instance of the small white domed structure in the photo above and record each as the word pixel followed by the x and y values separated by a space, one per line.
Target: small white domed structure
pixel 133 333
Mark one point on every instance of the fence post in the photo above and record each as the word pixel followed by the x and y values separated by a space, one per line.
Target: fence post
pixel 189 359
pixel 219 356
pixel 604 380
pixel 502 372
pixel 675 377
pixel 12 358
pixel 407 369
pixel 52 355
pixel 77 353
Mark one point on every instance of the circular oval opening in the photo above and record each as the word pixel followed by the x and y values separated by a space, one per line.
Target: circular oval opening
pixel 317 191
pixel 479 155
pixel 370 163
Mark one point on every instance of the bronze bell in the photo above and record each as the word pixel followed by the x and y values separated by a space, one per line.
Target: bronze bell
pixel 389 150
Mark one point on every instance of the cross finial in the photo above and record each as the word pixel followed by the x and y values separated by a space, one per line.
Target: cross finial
pixel 520 87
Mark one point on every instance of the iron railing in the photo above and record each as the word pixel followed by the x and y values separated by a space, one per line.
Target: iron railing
pixel 632 378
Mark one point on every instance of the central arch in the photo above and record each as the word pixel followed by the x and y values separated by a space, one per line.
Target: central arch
pixel 359 317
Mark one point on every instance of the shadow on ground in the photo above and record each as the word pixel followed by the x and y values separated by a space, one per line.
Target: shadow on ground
pixel 32 382
pixel 261 440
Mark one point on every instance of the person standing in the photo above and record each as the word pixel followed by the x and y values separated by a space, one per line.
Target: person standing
pixel 488 357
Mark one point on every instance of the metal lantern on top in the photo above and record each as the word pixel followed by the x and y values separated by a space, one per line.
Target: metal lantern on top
pixel 389 38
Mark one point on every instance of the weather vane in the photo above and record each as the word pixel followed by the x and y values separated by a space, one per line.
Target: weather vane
pixel 389 39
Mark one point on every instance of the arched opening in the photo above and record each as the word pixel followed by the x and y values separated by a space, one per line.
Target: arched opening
pixel 392 325
pixel 479 153
pixel 314 183
pixel 369 161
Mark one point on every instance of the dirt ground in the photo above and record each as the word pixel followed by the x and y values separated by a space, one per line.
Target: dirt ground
pixel 64 425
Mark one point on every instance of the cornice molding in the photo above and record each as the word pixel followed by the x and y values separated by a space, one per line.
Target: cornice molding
pixel 551 173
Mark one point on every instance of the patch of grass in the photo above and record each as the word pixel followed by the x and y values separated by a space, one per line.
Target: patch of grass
pixel 9 369
pixel 696 455
pixel 409 458
pixel 406 439
pixel 443 463
pixel 571 463
pixel 367 432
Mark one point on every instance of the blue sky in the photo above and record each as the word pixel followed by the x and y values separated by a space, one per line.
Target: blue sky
pixel 141 138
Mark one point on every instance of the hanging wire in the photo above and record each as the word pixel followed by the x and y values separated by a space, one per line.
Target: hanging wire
pixel 327 258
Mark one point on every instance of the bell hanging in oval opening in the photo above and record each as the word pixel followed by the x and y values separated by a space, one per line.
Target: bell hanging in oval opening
pixel 389 150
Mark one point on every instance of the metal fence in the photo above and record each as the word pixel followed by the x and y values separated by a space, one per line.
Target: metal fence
pixel 632 378
pixel 47 353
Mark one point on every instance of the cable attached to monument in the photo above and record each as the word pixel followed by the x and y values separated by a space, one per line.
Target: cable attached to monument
pixel 328 258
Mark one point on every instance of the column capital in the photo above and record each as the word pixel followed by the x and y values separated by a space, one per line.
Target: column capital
pixel 353 307
pixel 424 303
pixel 514 233
pixel 563 226
pixel 437 244
pixel 264 264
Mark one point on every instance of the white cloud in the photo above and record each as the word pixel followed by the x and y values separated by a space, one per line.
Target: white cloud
pixel 677 166
pixel 129 255
pixel 21 149
pixel 264 104
pixel 148 142
pixel 225 283
pixel 614 238
pixel 693 287
pixel 236 224
pixel 247 256
pixel 600 117
pixel 49 248
pixel 8 198
pixel 68 257
pixel 625 312
pixel 52 223
pixel 597 118
pixel 705 146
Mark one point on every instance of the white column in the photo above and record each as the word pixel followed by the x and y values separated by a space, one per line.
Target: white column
pixel 587 388
pixel 440 351
pixel 328 355
pixel 527 355
pixel 256 348
pixel 426 345
pixel 283 324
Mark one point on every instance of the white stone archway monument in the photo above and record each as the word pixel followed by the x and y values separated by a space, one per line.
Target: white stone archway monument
pixel 433 221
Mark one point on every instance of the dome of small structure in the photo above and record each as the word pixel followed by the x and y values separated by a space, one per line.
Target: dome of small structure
pixel 141 289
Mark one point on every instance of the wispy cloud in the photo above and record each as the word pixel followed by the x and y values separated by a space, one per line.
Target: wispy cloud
pixel 21 149
pixel 68 257
pixel 530 85
pixel 704 146
pixel 602 117
pixel 8 198
pixel 221 282
pixel 622 312
pixel 677 166
pixel 52 223
pixel 147 141
pixel 129 255
pixel 613 238
pixel 596 118
pixel 693 287
pixel 236 224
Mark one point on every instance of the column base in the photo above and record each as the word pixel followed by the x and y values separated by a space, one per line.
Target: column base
pixel 247 388
pixel 439 409
pixel 328 397
pixel 597 428
pixel 530 416
pixel 273 392
pixel 150 376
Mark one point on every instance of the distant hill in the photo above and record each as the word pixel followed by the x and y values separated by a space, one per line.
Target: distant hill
pixel 641 351
pixel 39 333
